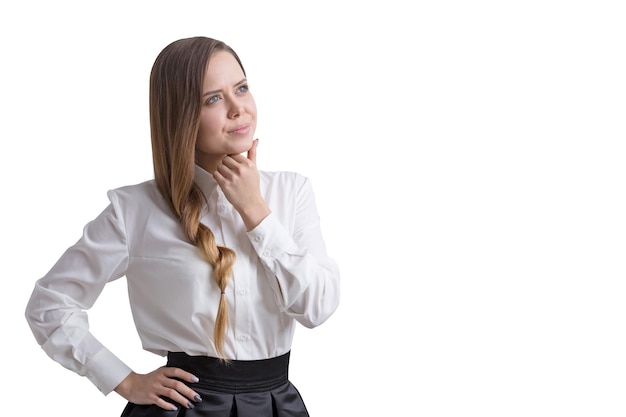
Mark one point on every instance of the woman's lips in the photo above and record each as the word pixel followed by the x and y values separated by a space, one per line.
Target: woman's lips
pixel 240 130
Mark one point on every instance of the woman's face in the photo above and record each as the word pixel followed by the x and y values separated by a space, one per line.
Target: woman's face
pixel 228 114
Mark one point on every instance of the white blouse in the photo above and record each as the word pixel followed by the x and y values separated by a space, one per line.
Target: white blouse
pixel 282 275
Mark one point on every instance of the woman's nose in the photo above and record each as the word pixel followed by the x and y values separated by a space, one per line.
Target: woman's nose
pixel 236 110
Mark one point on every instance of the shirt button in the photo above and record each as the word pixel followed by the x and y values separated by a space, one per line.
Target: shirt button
pixel 242 291
pixel 266 253
pixel 243 337
pixel 221 209
pixel 258 238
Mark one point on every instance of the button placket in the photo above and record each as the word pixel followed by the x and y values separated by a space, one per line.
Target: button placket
pixel 222 204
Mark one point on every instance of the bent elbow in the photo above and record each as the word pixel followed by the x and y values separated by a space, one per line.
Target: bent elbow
pixel 318 316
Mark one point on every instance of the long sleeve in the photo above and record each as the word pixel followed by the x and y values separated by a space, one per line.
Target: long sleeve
pixel 306 281
pixel 56 311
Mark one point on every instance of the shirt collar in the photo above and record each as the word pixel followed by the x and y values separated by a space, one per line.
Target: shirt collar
pixel 205 181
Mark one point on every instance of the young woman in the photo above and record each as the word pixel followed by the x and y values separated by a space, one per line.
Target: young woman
pixel 222 260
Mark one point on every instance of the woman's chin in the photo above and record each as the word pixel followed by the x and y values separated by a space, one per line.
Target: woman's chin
pixel 241 146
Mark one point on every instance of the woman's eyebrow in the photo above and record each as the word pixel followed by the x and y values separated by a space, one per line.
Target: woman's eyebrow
pixel 208 93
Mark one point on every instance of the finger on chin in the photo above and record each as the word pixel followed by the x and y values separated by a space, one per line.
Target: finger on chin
pixel 252 150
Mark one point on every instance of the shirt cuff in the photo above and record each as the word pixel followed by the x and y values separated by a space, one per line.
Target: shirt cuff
pixel 106 371
pixel 270 239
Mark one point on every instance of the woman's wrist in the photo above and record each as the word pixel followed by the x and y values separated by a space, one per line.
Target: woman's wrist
pixel 254 215
pixel 124 387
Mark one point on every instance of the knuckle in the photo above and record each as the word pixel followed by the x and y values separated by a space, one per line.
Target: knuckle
pixel 178 385
pixel 170 392
pixel 177 372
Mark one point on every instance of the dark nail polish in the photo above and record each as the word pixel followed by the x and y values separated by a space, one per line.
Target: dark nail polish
pixel 190 405
pixel 197 399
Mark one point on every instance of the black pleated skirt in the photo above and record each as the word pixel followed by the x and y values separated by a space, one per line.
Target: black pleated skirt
pixel 258 388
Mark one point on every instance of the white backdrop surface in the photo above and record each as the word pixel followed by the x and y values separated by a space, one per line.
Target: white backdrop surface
pixel 468 162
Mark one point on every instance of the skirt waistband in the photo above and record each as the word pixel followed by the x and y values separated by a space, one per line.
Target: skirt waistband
pixel 233 376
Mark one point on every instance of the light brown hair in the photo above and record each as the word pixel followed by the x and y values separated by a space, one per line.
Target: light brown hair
pixel 176 83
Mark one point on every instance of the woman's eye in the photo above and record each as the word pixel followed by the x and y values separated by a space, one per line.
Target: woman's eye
pixel 212 99
pixel 243 89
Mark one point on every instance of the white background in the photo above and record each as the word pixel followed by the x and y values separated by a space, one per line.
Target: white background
pixel 468 160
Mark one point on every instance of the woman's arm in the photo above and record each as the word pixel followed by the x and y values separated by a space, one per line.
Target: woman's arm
pixel 305 279
pixel 56 311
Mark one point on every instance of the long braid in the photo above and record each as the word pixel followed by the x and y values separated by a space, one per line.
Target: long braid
pixel 220 258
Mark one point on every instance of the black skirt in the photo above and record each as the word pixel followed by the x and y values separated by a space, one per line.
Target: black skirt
pixel 259 388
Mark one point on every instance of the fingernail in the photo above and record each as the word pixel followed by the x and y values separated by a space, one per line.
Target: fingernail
pixel 174 408
pixel 194 379
pixel 197 398
pixel 190 405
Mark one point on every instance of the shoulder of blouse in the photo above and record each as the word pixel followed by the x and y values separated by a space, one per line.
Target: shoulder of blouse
pixel 137 195
pixel 138 201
